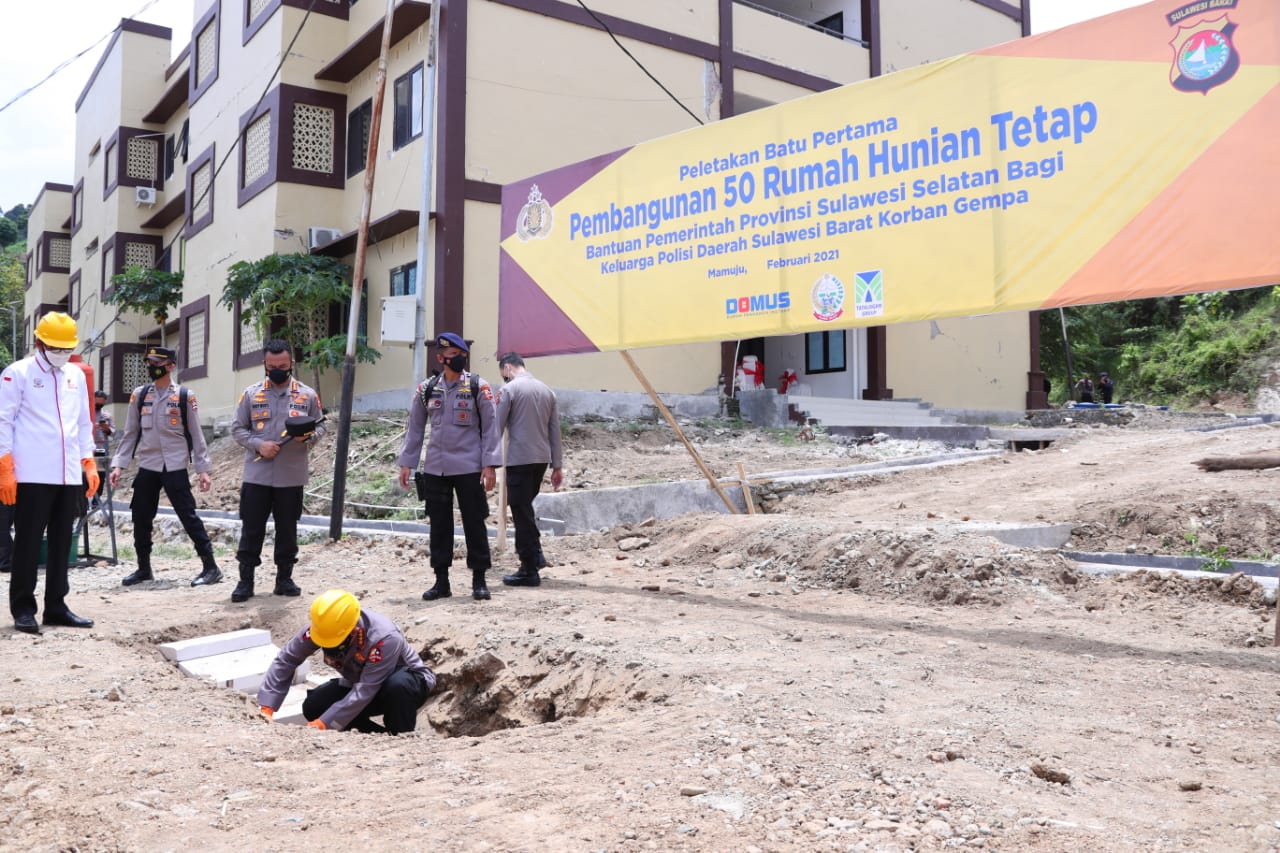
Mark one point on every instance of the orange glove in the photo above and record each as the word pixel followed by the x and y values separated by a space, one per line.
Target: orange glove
pixel 91 471
pixel 8 480
pixel 269 713
pixel 317 724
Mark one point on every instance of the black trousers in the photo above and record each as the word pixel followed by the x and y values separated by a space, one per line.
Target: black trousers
pixel 257 503
pixel 398 702
pixel 44 511
pixel 474 507
pixel 146 498
pixel 6 536
pixel 523 484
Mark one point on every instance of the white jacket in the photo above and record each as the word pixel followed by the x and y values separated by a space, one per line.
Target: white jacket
pixel 44 421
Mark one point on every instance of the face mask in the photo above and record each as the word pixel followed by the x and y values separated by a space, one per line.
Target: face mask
pixel 456 363
pixel 278 375
pixel 57 359
pixel 506 379
pixel 157 371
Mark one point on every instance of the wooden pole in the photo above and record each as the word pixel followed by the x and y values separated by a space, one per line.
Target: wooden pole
pixel 666 413
pixel 746 490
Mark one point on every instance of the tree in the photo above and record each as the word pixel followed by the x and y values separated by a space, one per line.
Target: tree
pixel 12 286
pixel 8 232
pixel 152 292
pixel 18 216
pixel 289 296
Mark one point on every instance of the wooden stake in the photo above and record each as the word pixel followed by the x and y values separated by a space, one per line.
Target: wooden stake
pixel 666 413
pixel 746 490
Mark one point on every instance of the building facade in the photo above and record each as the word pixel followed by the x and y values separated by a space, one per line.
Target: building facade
pixel 251 140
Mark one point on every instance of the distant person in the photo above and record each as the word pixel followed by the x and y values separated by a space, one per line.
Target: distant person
pixel 379 673
pixel 1106 387
pixel 162 428
pixel 462 455
pixel 1084 389
pixel 527 411
pixel 104 426
pixel 275 466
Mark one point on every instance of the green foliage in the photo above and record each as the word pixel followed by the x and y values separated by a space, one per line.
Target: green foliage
pixel 12 289
pixel 149 291
pixel 8 232
pixel 18 216
pixel 1215 559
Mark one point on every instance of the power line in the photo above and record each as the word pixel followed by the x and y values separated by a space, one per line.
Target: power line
pixel 640 64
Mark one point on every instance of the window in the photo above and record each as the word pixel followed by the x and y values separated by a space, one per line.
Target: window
pixel 194 339
pixel 358 121
pixel 404 280
pixel 362 325
pixel 200 193
pixel 77 207
pixel 109 175
pixel 408 116
pixel 824 352
pixel 176 146
pixel 204 58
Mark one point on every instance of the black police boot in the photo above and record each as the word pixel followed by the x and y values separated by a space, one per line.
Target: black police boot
pixel 526 575
pixel 441 589
pixel 284 582
pixel 244 589
pixel 211 573
pixel 142 573
pixel 479 591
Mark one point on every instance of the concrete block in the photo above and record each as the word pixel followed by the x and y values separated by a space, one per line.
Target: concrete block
pixel 243 669
pixel 215 644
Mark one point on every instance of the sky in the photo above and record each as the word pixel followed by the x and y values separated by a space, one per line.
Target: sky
pixel 37 134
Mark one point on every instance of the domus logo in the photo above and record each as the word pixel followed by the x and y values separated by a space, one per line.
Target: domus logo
pixel 762 302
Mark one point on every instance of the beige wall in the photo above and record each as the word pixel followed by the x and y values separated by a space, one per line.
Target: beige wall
pixel 966 363
pixel 920 31
pixel 765 36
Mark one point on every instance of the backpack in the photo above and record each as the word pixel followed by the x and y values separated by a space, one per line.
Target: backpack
pixel 182 404
pixel 430 385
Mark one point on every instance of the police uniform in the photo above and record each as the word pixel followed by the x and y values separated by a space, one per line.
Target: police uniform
pixel 154 432
pixel 272 487
pixel 45 425
pixel 527 410
pixel 463 441
pixel 379 673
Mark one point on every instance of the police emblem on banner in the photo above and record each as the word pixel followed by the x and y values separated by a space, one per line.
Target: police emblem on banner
pixel 1203 53
pixel 827 298
pixel 534 221
pixel 868 294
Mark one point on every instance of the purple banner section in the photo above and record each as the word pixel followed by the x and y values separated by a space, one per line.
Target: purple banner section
pixel 553 186
pixel 529 322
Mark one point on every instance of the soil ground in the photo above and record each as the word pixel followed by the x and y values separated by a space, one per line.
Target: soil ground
pixel 843 672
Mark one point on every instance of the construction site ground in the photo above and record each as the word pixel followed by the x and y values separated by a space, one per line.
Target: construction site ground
pixel 843 671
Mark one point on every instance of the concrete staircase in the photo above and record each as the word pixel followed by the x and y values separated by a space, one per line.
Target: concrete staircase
pixel 897 418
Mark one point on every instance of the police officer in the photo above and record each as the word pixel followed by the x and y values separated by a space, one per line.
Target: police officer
pixel 379 672
pixel 527 411
pixel 162 427
pixel 46 434
pixel 275 467
pixel 462 456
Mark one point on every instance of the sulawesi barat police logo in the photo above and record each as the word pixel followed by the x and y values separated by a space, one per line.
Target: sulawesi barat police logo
pixel 1203 53
pixel 534 220
pixel 827 297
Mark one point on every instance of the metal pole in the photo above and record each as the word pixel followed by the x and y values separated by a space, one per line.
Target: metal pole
pixel 357 279
pixel 427 201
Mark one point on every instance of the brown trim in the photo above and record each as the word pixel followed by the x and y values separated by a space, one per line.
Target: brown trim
pixel 49 187
pixel 77 207
pixel 482 191
pixel 243 360
pixel 726 61
pixel 621 27
pixel 120 139
pixel 360 54
pixel 127 25
pixel 451 159
pixel 200 306
pixel 66 224
pixel 170 102
pixel 115 353
pixel 115 244
pixel 333 8
pixel 193 227
pixel 110 149
pixel 172 209
pixel 336 101
pixel 871 35
pixel 1006 9
pixel 1026 18
pixel 383 228
pixel 27 271
pixel 38 256
pixel 1037 396
pixel 182 56
pixel 780 72
pixel 249 26
pixel 42 247
pixel 270 107
pixel 210 18
pixel 877 365
pixel 73 301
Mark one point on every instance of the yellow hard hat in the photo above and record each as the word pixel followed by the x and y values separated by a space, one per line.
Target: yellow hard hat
pixel 333 614
pixel 57 330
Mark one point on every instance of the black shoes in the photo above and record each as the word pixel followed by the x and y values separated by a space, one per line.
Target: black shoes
pixel 244 589
pixel 524 576
pixel 66 619
pixel 211 574
pixel 26 624
pixel 138 576
pixel 286 586
pixel 480 592
pixel 440 590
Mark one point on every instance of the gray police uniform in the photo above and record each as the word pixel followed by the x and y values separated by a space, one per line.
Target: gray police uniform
pixel 155 435
pixel 463 440
pixel 527 410
pixel 272 487
pixel 379 673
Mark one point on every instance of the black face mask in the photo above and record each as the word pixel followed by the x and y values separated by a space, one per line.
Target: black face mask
pixel 278 375
pixel 157 371
pixel 456 363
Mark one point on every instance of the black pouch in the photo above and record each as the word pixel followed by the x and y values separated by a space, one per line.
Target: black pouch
pixel 420 483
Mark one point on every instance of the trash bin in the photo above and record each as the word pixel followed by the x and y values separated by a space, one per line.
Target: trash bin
pixel 71 552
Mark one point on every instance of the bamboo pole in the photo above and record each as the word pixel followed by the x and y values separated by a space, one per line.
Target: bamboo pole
pixel 666 413
pixel 746 490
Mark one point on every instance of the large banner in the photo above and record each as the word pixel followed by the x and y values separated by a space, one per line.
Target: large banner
pixel 1130 156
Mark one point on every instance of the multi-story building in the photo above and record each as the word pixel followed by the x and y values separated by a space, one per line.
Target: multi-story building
pixel 251 140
